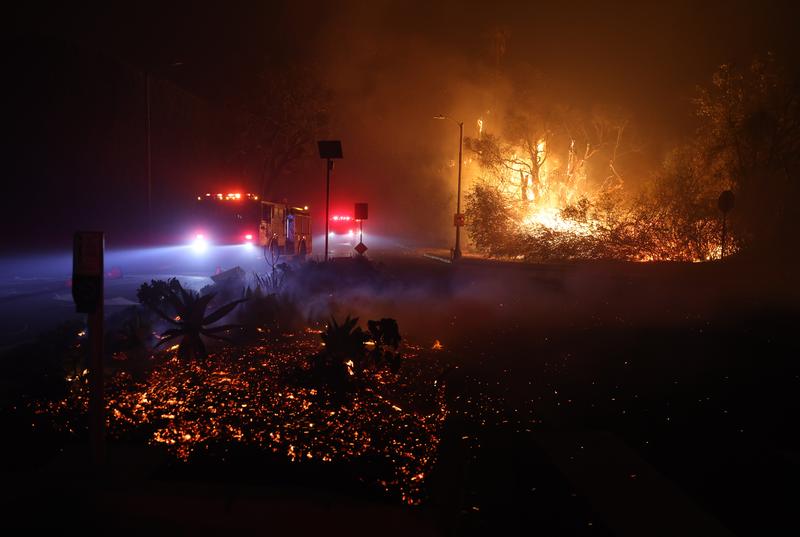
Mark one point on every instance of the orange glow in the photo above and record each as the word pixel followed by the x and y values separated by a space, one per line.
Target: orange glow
pixel 238 398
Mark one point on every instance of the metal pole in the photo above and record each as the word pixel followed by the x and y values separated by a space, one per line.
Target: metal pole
pixel 149 159
pixel 327 202
pixel 97 420
pixel 96 404
pixel 724 230
pixel 457 250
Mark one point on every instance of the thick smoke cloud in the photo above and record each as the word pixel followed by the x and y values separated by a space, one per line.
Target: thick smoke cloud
pixel 392 66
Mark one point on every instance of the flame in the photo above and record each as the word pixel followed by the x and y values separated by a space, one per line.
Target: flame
pixel 437 345
pixel 544 189
pixel 534 184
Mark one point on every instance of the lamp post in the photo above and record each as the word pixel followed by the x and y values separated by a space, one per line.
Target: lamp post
pixel 458 221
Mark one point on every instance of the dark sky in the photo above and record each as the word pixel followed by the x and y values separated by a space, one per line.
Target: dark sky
pixel 665 46
pixel 394 64
pixel 643 54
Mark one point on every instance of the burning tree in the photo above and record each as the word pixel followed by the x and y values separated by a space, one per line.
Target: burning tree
pixel 552 185
pixel 549 187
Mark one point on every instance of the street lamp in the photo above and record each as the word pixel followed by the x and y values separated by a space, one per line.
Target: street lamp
pixel 458 221
pixel 329 150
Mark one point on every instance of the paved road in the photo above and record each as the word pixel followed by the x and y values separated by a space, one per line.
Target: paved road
pixel 35 293
pixel 35 290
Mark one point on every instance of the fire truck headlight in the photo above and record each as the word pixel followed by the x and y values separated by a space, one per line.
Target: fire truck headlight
pixel 199 244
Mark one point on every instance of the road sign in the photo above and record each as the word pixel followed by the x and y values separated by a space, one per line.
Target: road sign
pixel 725 201
pixel 361 211
pixel 360 248
pixel 458 219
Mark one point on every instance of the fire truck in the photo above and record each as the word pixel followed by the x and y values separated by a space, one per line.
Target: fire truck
pixel 243 219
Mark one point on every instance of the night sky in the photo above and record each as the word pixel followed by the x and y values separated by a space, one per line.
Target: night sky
pixel 74 90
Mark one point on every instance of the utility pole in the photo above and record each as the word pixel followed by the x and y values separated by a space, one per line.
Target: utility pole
pixel 148 142
pixel 149 158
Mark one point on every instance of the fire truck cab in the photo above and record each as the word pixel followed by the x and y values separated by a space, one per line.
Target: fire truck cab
pixel 244 219
pixel 284 229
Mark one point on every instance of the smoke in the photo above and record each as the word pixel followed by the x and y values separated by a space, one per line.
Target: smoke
pixel 390 77
pixel 514 303
pixel 393 65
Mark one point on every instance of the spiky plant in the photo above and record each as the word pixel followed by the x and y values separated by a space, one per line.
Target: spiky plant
pixel 191 322
pixel 344 341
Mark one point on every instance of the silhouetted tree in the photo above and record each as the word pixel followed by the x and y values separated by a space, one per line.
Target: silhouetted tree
pixel 286 117
pixel 749 138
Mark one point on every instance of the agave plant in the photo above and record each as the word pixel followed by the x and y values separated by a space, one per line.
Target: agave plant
pixel 192 322
pixel 344 341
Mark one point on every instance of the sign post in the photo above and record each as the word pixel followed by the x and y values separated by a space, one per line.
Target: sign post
pixel 329 150
pixel 361 213
pixel 725 204
pixel 87 292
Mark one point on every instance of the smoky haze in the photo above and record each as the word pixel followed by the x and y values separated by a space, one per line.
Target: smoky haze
pixel 393 66
pixel 390 65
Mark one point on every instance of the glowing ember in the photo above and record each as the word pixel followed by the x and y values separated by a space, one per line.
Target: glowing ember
pixel 250 397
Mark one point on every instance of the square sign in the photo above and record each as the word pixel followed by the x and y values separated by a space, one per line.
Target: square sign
pixel 330 149
pixel 361 212
pixel 87 271
pixel 87 253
